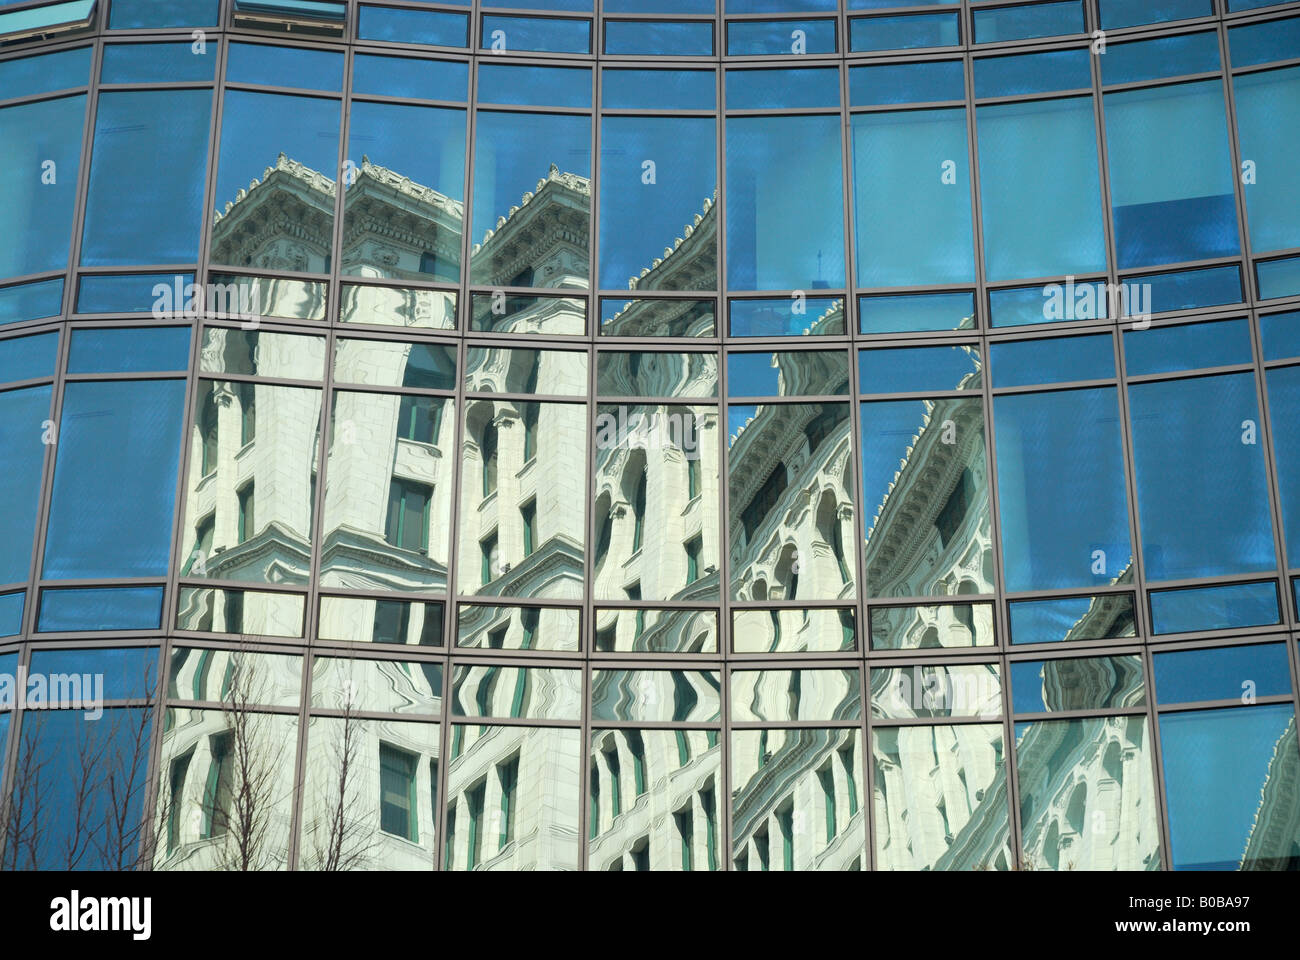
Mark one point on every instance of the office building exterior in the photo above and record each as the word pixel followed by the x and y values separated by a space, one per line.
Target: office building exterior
pixel 649 435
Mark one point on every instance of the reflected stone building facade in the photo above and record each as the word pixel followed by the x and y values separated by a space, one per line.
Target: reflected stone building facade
pixel 587 454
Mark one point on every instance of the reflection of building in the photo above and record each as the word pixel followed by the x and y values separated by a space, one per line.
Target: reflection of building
pixel 1277 821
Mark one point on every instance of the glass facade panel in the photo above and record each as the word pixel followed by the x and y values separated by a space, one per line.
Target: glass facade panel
pixel 650 435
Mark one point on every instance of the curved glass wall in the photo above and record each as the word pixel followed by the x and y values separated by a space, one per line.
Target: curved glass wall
pixel 639 435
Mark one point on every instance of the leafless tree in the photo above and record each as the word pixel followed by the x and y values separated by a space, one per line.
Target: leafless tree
pixel 341 836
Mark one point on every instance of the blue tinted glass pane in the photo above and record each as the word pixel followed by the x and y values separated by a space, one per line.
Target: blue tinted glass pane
pixel 115 480
pixel 1028 21
pixel 1191 436
pixel 157 62
pixel 1022 363
pixel 641 216
pixel 1189 676
pixel 1187 347
pixel 50 71
pixel 26 358
pixel 134 293
pixel 659 89
pixel 1100 617
pixel 1061 489
pixel 639 37
pixel 1162 292
pixel 1171 174
pixel 166 133
pixel 517 154
pixel 117 608
pixel 112 750
pixel 918 369
pixel 905 314
pixel 11 618
pixel 751 38
pixel 1268 124
pixel 1235 6
pixel 1284 407
pixel 24 421
pixel 1053 302
pixel 1281 335
pixel 904 33
pixel 1278 278
pixel 424 144
pixel 137 350
pixel 785 207
pixel 534 86
pixel 906 83
pixel 761 89
pixel 1032 73
pixel 779 6
pixel 1235 606
pixel 119 673
pixel 1264 42
pixel 284 66
pixel 543 36
pixel 430 27
pixel 45 138
pixel 567 6
pixel 48 14
pixel 1224 771
pixel 1034 157
pixel 1041 686
pixel 658 6
pixel 773 374
pixel 915 161
pixel 409 77
pixel 141 14
pixel 31 301
pixel 1163 57
pixel 256 128
pixel 787 317
pixel 1133 13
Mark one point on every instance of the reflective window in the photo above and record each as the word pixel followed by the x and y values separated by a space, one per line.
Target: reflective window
pixel 1170 174
pixel 115 480
pixel 784 170
pixel 43 139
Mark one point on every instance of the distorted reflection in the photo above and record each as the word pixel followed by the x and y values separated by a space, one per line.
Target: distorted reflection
pixel 536 693
pixel 932 627
pixel 657 318
pixel 388 490
pixel 247 612
pixel 1083 683
pixel 370 795
pixel 655 696
pixel 791 630
pixel 791 500
pixel 941 798
pixel 545 316
pixel 225 789
pixel 512 798
pixel 653 800
pixel 521 519
pixel 936 690
pixel 656 501
pixel 778 696
pixel 376 686
pixel 1103 616
pixel 556 373
pixel 925 489
pixel 1087 794
pixel 795 800
pixel 517 628
pixel 371 620
pixel 645 630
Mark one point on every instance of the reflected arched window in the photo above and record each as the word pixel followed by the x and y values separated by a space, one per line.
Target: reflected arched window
pixel 489 449
pixel 208 432
pixel 638 512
